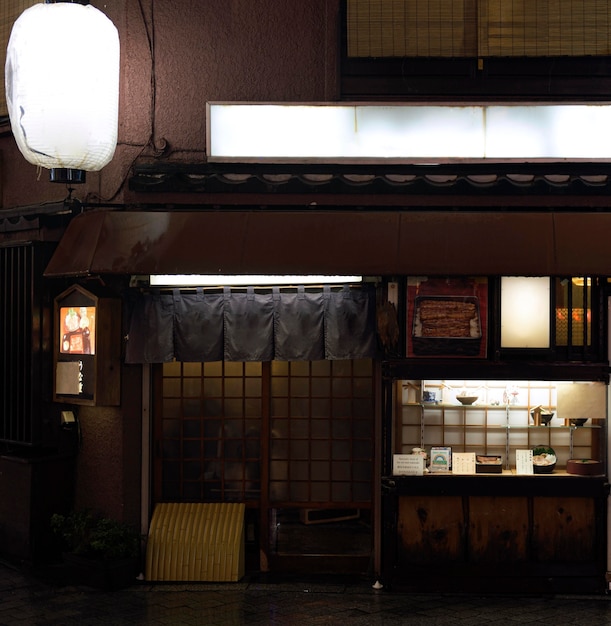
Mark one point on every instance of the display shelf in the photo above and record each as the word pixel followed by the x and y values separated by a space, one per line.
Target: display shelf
pixel 488 427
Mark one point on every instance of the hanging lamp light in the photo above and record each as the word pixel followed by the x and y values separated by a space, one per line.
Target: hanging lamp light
pixel 62 87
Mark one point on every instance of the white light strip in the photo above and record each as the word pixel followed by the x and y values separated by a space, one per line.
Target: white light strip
pixel 213 280
pixel 412 133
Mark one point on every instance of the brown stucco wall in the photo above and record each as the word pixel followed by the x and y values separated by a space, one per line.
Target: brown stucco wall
pixel 176 55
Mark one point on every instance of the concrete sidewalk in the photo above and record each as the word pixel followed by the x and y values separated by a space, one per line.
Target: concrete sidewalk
pixel 30 600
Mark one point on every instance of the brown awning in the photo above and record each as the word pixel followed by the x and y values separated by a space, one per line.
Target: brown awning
pixel 331 242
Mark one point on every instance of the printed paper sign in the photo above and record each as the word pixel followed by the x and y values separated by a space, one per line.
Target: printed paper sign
pixel 524 462
pixel 408 465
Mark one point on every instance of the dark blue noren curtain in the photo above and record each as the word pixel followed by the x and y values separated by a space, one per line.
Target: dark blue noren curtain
pixel 299 326
pixel 287 325
pixel 349 316
pixel 198 326
pixel 151 330
pixel 249 326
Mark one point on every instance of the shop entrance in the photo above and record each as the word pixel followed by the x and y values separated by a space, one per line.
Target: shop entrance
pixel 294 441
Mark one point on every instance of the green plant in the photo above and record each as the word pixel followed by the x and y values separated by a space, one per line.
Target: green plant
pixel 81 532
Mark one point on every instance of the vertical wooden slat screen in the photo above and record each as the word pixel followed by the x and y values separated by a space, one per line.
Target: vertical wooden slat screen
pixel 484 28
pixel 413 28
pixel 544 27
pixel 10 10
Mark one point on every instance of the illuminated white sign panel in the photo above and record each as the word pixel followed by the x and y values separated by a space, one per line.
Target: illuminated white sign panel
pixel 525 312
pixel 408 133
pixel 206 280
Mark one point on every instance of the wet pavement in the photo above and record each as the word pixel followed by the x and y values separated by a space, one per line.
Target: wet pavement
pixel 27 599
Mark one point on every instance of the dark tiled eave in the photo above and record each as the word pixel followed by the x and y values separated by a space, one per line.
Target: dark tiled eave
pixel 452 178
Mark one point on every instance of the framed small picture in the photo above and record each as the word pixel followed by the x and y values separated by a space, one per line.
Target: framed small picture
pixel 447 316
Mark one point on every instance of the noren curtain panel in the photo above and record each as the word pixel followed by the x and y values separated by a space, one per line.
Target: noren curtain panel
pixel 248 325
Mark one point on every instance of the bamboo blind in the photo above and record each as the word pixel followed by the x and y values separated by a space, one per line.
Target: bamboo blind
pixel 10 10
pixel 455 28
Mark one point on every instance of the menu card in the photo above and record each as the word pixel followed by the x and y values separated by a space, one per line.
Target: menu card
pixel 463 463
pixel 524 462
pixel 408 464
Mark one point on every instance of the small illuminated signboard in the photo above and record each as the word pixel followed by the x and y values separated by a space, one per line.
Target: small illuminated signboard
pixel 77 330
pixel 87 342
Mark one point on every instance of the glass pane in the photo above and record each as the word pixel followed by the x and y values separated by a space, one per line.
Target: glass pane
pixel 171 428
pixel 191 428
pixel 252 408
pixel 192 387
pixel 171 408
pixel 342 387
pixel 363 388
pixel 363 408
pixel 321 408
pixel 214 368
pixel 171 449
pixel 192 408
pixel 299 470
pixel 321 368
pixel 341 408
pixel 233 408
pixel 213 387
pixel 340 471
pixel 280 428
pixel 361 492
pixel 340 492
pixel 320 449
pixel 233 387
pixel 363 367
pixel 573 311
pixel 278 491
pixel 212 408
pixel 233 368
pixel 341 368
pixel 171 369
pixel 192 491
pixel 299 449
pixel 252 368
pixel 300 407
pixel 321 471
pixel 362 429
pixel 341 450
pixel 300 387
pixel 280 368
pixel 171 387
pixel 192 369
pixel 300 428
pixel 299 492
pixel 320 492
pixel 321 387
pixel 191 449
pixel 342 428
pixel 280 408
pixel 280 449
pixel 191 470
pixel 280 387
pixel 212 428
pixel 300 368
pixel 321 429
pixel 252 387
pixel 279 470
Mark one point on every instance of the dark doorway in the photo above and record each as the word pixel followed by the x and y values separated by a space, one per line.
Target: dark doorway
pixel 294 441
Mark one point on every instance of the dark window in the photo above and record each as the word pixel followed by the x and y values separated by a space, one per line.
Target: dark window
pixel 476 48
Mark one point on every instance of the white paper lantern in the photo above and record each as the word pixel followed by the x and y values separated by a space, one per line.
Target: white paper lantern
pixel 62 86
